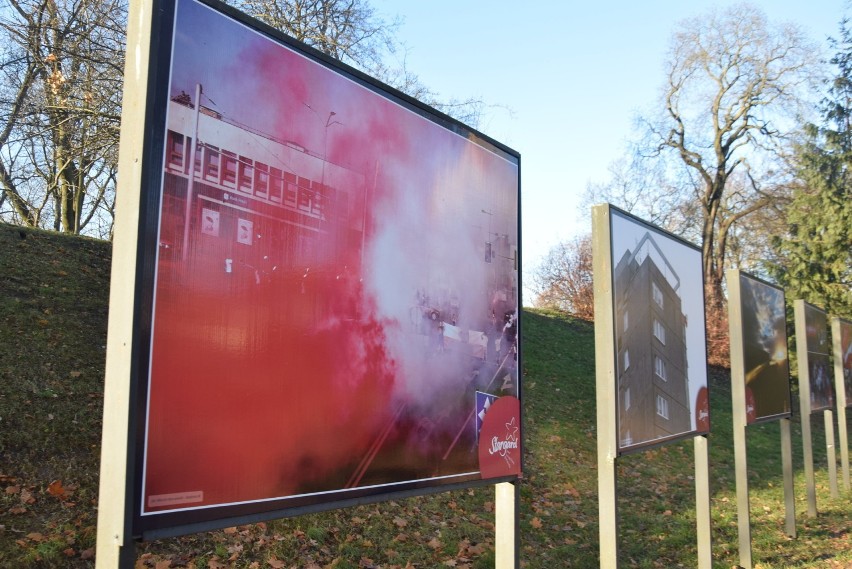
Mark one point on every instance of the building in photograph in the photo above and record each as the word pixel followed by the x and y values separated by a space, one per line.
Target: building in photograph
pixel 653 387
pixel 261 208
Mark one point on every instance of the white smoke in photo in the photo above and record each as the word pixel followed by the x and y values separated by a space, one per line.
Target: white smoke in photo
pixel 425 265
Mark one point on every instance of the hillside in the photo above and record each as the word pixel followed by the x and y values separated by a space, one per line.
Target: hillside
pixel 53 310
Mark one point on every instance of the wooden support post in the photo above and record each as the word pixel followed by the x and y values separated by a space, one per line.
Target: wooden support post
pixel 840 390
pixel 740 414
pixel 506 542
pixel 607 435
pixel 830 453
pixel 787 467
pixel 702 502
pixel 805 405
pixel 115 547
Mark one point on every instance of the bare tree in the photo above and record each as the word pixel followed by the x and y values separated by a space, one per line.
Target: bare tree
pixel 354 33
pixel 735 86
pixel 61 72
pixel 647 188
pixel 61 64
pixel 563 280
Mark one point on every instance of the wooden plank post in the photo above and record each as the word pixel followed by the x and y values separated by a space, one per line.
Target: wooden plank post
pixel 115 548
pixel 805 404
pixel 787 467
pixel 607 435
pixel 739 412
pixel 840 397
pixel 506 537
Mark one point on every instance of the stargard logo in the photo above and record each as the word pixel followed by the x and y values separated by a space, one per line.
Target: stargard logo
pixel 504 446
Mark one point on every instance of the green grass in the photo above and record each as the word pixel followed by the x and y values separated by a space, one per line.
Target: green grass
pixel 53 308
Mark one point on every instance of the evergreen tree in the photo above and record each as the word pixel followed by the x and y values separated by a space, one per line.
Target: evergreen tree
pixel 815 256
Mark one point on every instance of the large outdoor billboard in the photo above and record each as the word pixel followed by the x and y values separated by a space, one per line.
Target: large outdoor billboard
pixel 766 367
pixel 330 286
pixel 819 359
pixel 660 345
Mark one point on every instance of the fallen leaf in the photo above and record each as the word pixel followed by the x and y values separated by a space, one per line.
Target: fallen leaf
pixel 275 563
pixel 12 489
pixel 235 549
pixel 18 510
pixel 536 523
pixel 27 497
pixel 69 552
pixel 400 523
pixel 56 489
pixel 473 550
pixel 87 553
pixel 435 543
pixel 165 564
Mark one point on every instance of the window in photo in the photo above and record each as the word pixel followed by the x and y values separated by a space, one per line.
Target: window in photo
pixel 660 368
pixel 657 294
pixel 662 407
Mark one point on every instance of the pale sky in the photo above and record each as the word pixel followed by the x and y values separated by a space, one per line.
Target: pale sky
pixel 568 78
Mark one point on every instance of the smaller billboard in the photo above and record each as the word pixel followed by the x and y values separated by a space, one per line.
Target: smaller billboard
pixel 844 356
pixel 660 345
pixel 764 345
pixel 819 359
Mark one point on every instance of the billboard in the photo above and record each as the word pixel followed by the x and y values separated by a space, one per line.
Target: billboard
pixel 660 345
pixel 819 359
pixel 843 354
pixel 766 366
pixel 330 277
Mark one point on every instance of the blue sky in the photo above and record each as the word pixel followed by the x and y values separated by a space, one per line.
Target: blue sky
pixel 567 80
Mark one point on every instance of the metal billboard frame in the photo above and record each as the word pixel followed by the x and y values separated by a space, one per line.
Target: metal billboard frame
pixel 150 29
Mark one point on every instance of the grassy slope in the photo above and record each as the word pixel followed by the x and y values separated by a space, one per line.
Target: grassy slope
pixel 53 294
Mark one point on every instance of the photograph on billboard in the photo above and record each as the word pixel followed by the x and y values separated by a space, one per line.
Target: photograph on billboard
pixel 661 361
pixel 819 359
pixel 846 358
pixel 765 358
pixel 335 298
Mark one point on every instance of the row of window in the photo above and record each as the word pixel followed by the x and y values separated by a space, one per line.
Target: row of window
pixel 659 365
pixel 230 170
pixel 659 329
pixel 662 404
